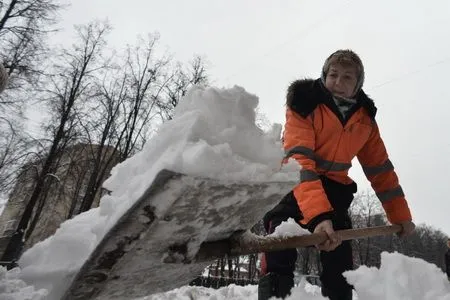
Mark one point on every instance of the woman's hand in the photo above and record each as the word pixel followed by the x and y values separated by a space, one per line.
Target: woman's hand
pixel 334 239
pixel 407 228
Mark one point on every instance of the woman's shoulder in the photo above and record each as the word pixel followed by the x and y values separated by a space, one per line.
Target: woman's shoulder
pixel 303 96
pixel 367 103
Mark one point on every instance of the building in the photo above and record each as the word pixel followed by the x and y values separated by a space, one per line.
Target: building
pixel 62 199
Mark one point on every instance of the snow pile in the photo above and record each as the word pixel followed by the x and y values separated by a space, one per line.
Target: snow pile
pixel 212 134
pixel 13 288
pixel 304 291
pixel 231 292
pixel 400 277
pixel 51 264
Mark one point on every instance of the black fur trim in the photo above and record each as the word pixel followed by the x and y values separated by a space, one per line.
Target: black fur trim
pixel 304 95
pixel 367 103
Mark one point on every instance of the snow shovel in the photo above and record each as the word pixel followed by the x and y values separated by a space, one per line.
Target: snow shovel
pixel 179 209
pixel 248 243
pixel 176 209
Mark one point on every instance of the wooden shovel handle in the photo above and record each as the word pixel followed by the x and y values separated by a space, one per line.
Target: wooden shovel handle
pixel 242 244
pixel 278 243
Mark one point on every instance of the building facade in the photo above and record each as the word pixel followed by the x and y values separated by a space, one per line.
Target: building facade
pixel 62 198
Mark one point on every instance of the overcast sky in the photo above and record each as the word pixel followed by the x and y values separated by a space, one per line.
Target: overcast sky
pixel 262 45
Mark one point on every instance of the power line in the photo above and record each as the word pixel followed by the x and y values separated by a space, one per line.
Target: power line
pixel 410 73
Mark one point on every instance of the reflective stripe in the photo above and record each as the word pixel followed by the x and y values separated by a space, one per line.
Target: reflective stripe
pixel 332 166
pixel 308 175
pixel 308 152
pixel 372 171
pixel 321 163
pixel 388 195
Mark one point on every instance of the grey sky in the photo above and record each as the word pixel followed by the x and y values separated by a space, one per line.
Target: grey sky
pixel 262 45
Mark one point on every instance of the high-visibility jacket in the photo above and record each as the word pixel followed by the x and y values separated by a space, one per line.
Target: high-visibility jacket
pixel 324 143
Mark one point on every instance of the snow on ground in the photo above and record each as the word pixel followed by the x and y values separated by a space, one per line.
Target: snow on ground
pixel 399 278
pixel 304 291
pixel 232 291
pixel 212 134
pixel 13 288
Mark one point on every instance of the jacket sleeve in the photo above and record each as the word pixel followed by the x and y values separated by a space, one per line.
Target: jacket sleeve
pixel 380 172
pixel 299 143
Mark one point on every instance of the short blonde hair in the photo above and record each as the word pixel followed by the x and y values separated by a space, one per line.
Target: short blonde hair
pixel 345 58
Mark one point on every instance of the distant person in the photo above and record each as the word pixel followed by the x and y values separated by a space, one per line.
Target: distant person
pixel 447 260
pixel 329 121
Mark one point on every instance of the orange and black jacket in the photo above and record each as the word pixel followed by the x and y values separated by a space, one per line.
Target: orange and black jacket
pixel 324 143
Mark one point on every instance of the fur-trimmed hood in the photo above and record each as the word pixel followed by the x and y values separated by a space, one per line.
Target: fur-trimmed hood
pixel 304 95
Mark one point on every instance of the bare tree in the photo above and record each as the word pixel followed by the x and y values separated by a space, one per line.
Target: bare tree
pixel 146 78
pixel 426 243
pixel 122 111
pixel 308 260
pixel 180 81
pixel 24 26
pixel 13 151
pixel 68 86
pixel 127 106
pixel 366 211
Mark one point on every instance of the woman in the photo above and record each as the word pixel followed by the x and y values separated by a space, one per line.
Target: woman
pixel 329 121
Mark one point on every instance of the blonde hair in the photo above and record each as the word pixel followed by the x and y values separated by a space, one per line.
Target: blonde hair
pixel 345 58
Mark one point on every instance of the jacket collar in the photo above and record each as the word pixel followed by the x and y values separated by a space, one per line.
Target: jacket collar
pixel 304 95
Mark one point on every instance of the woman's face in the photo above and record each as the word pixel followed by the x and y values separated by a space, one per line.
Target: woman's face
pixel 341 80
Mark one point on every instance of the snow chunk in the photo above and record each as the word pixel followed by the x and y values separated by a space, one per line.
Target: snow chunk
pixel 289 228
pixel 13 288
pixel 400 277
